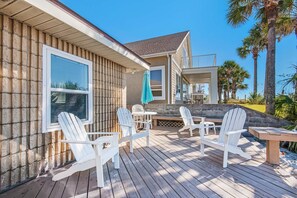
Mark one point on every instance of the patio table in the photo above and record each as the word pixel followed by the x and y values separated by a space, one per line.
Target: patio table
pixel 273 136
pixel 147 114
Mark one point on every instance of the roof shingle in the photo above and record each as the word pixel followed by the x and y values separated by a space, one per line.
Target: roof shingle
pixel 157 45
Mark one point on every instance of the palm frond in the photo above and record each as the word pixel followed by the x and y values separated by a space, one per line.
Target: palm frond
pixel 239 11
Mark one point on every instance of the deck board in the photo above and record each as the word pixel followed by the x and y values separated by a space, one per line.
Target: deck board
pixel 145 176
pixel 82 184
pixel 135 177
pixel 188 165
pixel 256 169
pixel 46 189
pixel 242 170
pixel 116 183
pixel 172 167
pixel 107 190
pixel 128 184
pixel 93 190
pixel 71 186
pixel 181 174
pixel 165 171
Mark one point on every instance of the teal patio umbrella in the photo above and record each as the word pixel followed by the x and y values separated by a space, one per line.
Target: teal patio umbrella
pixel 146 94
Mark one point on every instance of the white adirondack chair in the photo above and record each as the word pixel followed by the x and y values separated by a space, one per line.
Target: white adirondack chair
pixel 128 126
pixel 138 108
pixel 189 123
pixel 231 129
pixel 88 154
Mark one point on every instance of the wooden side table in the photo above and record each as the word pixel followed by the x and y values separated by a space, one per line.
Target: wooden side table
pixel 273 136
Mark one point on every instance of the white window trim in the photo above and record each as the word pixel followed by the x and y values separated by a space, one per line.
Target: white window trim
pixel 186 58
pixel 46 87
pixel 180 77
pixel 162 68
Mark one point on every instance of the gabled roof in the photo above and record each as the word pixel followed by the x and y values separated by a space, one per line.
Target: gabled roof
pixel 158 45
pixel 56 19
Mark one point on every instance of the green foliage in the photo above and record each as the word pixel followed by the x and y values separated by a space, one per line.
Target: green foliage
pixel 240 11
pixel 256 98
pixel 231 79
pixel 67 85
pixel 256 107
pixel 292 147
pixel 255 42
pixel 286 107
pixel 236 101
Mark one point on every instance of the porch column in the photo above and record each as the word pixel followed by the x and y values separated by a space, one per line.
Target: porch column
pixel 214 87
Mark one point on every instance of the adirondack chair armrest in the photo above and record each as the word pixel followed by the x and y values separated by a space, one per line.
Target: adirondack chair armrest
pixel 213 126
pixel 143 122
pixel 98 141
pixel 113 140
pixel 147 124
pixel 235 132
pixel 77 142
pixel 200 117
pixel 125 125
pixel 114 137
pixel 103 133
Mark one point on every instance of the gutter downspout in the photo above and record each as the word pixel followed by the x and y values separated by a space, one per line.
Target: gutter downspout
pixel 169 78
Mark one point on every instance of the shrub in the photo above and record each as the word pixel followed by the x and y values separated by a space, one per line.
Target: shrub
pixel 292 146
pixel 256 98
pixel 286 107
pixel 234 101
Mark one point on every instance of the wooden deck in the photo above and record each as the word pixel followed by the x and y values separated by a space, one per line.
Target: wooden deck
pixel 171 167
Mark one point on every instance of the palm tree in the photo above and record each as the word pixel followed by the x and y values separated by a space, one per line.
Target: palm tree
pixel 237 79
pixel 231 78
pixel 287 18
pixel 267 12
pixel 239 12
pixel 291 79
pixel 253 44
pixel 222 81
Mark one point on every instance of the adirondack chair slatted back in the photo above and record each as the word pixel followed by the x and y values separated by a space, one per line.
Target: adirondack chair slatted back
pixel 125 118
pixel 137 108
pixel 186 116
pixel 233 120
pixel 73 129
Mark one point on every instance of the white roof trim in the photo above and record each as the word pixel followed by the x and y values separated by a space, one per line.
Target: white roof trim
pixel 198 70
pixel 158 54
pixel 60 14
pixel 183 41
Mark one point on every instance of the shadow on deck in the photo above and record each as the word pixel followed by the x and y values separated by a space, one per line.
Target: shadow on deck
pixel 172 167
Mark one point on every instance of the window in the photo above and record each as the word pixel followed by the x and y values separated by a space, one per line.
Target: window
pixel 177 87
pixel 157 75
pixel 67 86
pixel 185 58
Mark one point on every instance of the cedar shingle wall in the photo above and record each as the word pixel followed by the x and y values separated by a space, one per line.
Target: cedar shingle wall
pixel 24 150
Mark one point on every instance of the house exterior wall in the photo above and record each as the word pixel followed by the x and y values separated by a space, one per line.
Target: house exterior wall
pixel 134 82
pixel 24 149
pixel 177 66
pixel 134 87
pixel 178 56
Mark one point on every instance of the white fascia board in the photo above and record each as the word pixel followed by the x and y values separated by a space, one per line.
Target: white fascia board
pixel 180 45
pixel 60 14
pixel 158 54
pixel 198 70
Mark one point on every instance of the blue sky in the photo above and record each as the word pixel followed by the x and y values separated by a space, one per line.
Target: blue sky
pixel 133 20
